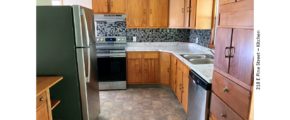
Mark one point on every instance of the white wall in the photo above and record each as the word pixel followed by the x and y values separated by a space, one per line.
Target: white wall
pixel 85 3
pixel 43 2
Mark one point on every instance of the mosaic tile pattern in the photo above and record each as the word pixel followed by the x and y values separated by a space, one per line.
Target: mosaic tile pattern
pixel 140 104
pixel 143 35
pixel 202 35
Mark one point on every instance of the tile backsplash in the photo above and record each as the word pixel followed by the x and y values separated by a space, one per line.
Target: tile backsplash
pixel 202 35
pixel 152 35
pixel 143 35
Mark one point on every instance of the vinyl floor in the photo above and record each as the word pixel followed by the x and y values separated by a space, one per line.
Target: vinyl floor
pixel 155 103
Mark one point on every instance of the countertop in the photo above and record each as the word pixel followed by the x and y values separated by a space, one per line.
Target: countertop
pixel 177 48
pixel 45 82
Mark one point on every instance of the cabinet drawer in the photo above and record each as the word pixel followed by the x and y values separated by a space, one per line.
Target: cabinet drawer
pixel 150 55
pixel 134 55
pixel 40 99
pixel 234 95
pixel 220 111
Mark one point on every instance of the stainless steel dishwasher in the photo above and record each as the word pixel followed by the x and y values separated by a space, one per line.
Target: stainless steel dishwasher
pixel 199 97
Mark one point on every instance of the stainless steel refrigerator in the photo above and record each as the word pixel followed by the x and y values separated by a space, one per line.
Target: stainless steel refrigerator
pixel 66 47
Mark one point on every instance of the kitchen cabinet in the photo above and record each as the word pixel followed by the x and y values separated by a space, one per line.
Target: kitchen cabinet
pixel 165 68
pixel 143 67
pixel 44 105
pixel 147 13
pixel 134 66
pixel 173 68
pixel 233 65
pixel 109 6
pixel 195 14
pixel 150 67
pixel 137 13
pixel 182 80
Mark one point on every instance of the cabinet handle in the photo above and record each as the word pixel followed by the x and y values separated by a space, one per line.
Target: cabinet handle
pixel 150 11
pixel 232 51
pixel 226 90
pixel 188 9
pixel 168 70
pixel 223 115
pixel 227 52
pixel 41 99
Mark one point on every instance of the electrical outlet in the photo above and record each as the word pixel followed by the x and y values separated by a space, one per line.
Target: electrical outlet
pixel 134 39
pixel 196 40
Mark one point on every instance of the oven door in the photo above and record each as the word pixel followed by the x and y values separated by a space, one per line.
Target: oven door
pixel 111 68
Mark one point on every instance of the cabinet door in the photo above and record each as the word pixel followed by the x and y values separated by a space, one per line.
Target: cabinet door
pixel 223 40
pixel 100 6
pixel 158 13
pixel 173 73
pixel 150 70
pixel 134 70
pixel 118 6
pixel 164 68
pixel 42 112
pixel 185 81
pixel 186 13
pixel 204 13
pixel 178 91
pixel 137 13
pixel 176 13
pixel 241 64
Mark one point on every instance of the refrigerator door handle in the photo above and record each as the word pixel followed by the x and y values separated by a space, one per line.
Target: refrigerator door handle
pixel 89 65
pixel 86 27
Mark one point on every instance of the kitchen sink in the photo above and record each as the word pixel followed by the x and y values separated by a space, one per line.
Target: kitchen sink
pixel 201 61
pixel 199 58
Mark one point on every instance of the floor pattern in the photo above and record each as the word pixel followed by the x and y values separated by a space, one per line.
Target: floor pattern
pixel 140 104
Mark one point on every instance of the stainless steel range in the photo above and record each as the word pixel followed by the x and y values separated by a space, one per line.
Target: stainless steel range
pixel 111 57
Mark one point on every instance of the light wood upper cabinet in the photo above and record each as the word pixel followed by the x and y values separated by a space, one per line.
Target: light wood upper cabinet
pixel 165 68
pixel 158 13
pixel 147 13
pixel 100 6
pixel 137 13
pixel 118 6
pixel 176 13
pixel 204 14
pixel 109 6
pixel 195 14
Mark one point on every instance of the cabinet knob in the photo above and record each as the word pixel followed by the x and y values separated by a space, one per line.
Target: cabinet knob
pixel 223 115
pixel 41 99
pixel 226 90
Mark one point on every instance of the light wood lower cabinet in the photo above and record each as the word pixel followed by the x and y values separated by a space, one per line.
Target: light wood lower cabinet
pixel 143 67
pixel 159 68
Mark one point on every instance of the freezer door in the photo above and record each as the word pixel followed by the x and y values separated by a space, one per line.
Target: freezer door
pixel 88 82
pixel 84 26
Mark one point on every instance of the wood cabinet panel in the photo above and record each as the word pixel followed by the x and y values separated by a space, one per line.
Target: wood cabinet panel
pixel 134 55
pixel 186 13
pixel 176 13
pixel 150 70
pixel 158 13
pixel 179 77
pixel 118 6
pixel 237 15
pixel 41 99
pixel 223 40
pixel 220 111
pixel 241 64
pixel 165 68
pixel 173 68
pixel 134 70
pixel 137 13
pixel 100 6
pixel 221 2
pixel 42 112
pixel 204 14
pixel 185 82
pixel 234 95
